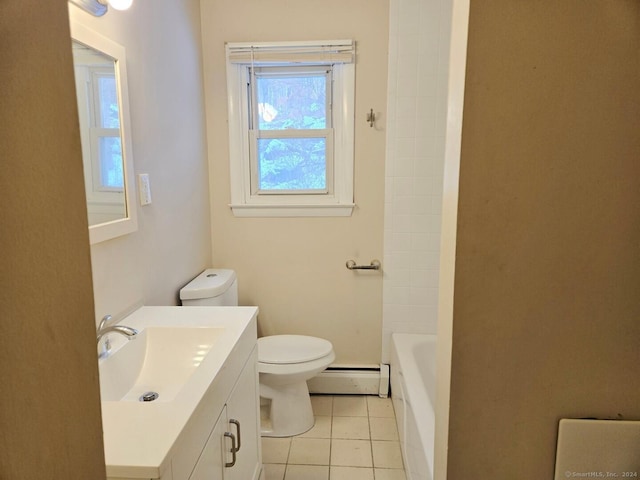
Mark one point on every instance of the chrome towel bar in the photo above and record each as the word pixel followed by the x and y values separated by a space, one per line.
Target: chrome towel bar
pixel 375 265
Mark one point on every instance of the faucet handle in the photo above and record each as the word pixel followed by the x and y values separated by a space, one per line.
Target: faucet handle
pixel 106 319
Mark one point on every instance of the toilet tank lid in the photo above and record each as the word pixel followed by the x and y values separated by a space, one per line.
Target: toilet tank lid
pixel 285 349
pixel 210 283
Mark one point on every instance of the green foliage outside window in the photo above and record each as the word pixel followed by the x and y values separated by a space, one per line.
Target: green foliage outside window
pixel 287 102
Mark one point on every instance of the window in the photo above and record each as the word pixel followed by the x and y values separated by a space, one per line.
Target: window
pixel 106 147
pixel 291 128
pixel 291 144
pixel 100 132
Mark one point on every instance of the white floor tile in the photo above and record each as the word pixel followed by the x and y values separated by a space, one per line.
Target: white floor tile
pixel 351 453
pixel 354 438
pixel 307 472
pixel 309 451
pixel 383 428
pixel 350 406
pixel 354 428
pixel 275 450
pixel 322 404
pixel 321 429
pixel 274 471
pixel 386 454
pixel 389 474
pixel 351 473
pixel 380 407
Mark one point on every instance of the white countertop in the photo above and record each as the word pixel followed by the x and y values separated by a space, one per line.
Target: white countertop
pixel 139 437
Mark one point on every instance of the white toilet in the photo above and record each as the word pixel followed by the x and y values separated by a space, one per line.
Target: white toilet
pixel 285 362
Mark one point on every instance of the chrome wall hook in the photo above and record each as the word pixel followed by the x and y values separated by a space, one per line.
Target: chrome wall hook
pixel 371 118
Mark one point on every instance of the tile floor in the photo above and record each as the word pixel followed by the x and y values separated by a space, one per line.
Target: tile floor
pixel 354 438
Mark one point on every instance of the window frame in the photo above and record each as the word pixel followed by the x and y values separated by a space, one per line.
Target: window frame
pixel 97 193
pixel 97 132
pixel 248 202
pixel 256 133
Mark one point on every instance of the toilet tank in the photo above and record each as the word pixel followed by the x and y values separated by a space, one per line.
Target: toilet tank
pixel 213 287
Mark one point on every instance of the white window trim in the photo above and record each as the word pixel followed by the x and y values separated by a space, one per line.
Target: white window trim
pixel 337 204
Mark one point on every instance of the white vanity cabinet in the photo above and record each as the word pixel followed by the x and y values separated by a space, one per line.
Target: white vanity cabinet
pixel 243 409
pixel 236 427
pixel 190 434
pixel 211 463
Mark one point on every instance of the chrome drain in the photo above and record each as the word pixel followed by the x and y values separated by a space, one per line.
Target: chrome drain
pixel 148 397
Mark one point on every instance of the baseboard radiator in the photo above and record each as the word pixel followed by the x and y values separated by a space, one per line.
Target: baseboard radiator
pixel 352 380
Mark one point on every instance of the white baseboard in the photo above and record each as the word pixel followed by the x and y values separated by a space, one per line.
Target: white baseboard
pixel 352 381
pixel 385 380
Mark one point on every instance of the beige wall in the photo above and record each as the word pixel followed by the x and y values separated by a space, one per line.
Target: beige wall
pixel 546 312
pixel 49 401
pixel 172 244
pixel 293 268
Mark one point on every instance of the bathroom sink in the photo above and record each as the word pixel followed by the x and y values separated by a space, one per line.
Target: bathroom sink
pixel 159 360
pixel 187 356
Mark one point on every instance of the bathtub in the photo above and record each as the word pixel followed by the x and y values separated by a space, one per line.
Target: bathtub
pixel 413 374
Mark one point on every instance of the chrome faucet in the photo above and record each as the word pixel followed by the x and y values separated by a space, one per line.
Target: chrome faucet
pixel 103 329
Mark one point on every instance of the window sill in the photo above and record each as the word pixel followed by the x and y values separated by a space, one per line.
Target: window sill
pixel 244 210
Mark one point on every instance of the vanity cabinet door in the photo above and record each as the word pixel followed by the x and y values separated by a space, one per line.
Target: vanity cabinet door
pixel 243 408
pixel 210 465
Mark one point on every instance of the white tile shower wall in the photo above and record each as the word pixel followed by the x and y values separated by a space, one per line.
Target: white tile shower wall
pixel 419 34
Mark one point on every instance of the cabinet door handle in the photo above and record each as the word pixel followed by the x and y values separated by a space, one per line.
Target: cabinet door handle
pixel 237 424
pixel 233 449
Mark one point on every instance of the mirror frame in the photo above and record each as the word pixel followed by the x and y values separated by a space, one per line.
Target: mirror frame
pixel 116 228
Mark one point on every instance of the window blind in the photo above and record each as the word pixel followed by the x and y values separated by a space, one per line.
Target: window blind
pixel 314 52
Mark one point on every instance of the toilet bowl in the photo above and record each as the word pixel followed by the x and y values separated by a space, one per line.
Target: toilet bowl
pixel 285 362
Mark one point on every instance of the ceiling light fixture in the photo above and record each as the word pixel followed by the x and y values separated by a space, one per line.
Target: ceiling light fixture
pixel 100 7
pixel 118 4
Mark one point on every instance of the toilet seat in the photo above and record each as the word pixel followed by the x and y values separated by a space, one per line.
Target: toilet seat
pixel 292 349
pixel 285 369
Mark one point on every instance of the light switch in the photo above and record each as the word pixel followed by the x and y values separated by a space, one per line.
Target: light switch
pixel 144 189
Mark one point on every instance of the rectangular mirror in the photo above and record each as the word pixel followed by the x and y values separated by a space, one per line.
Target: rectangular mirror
pixel 103 111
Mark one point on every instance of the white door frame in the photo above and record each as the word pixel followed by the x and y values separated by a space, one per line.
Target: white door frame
pixel 457 69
